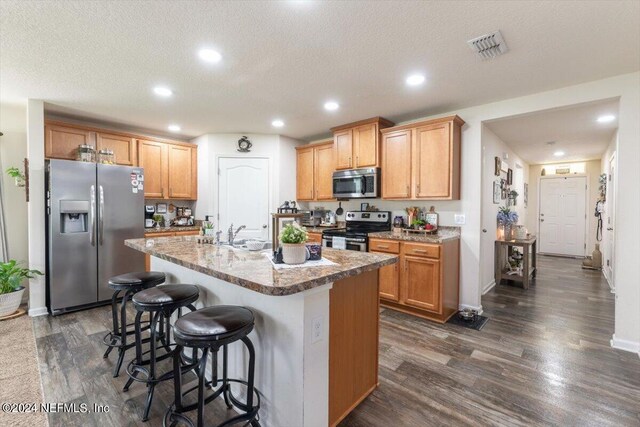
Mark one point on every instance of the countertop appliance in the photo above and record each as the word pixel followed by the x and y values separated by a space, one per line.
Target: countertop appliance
pixel 91 209
pixel 358 226
pixel 356 184
pixel 149 211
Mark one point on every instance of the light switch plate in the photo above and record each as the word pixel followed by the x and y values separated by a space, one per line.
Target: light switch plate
pixel 459 219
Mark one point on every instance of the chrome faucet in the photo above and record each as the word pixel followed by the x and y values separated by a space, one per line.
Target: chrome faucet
pixel 232 235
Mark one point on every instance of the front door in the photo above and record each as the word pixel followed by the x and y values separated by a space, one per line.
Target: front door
pixel 243 196
pixel 563 215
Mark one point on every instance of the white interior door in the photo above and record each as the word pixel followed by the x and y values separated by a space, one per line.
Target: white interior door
pixel 563 215
pixel 610 214
pixel 243 196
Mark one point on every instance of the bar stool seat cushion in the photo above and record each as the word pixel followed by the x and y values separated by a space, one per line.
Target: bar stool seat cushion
pixel 213 323
pixel 166 295
pixel 143 279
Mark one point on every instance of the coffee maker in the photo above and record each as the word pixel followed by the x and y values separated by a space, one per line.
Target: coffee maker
pixel 149 211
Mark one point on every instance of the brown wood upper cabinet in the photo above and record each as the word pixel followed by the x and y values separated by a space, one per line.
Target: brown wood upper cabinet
pixel 123 147
pixel 314 169
pixel 61 142
pixel 357 145
pixel 421 161
pixel 170 170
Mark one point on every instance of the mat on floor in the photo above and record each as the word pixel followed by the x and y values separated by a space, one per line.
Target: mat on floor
pixel 20 373
pixel 475 324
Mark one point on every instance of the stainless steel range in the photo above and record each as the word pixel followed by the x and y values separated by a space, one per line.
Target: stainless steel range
pixel 355 236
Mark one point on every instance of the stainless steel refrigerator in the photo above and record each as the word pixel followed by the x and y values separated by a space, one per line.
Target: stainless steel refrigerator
pixel 91 209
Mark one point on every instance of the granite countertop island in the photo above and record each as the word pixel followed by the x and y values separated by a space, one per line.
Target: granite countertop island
pixel 303 318
pixel 253 269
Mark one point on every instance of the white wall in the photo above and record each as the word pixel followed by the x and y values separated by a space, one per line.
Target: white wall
pixel 592 169
pixel 278 149
pixel 493 146
pixel 36 208
pixel 627 241
pixel 607 216
pixel 13 150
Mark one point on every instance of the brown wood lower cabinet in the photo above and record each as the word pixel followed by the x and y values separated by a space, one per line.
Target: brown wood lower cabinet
pixel 147 257
pixel 425 282
pixel 314 238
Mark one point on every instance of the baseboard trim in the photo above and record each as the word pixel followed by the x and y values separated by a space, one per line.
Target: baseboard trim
pixel 478 308
pixel 38 311
pixel 488 286
pixel 606 276
pixel 626 345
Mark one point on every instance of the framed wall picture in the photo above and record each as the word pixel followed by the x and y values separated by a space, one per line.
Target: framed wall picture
pixel 503 188
pixel 526 194
pixel 498 166
pixel 364 207
pixel 161 208
pixel 497 192
pixel 509 177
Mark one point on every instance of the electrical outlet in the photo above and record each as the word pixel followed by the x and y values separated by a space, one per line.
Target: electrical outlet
pixel 316 329
pixel 459 219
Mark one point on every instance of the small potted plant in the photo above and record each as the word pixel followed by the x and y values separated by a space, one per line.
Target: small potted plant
pixel 11 289
pixel 18 176
pixel 293 238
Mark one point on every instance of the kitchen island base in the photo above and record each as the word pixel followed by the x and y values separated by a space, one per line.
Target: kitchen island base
pixel 316 351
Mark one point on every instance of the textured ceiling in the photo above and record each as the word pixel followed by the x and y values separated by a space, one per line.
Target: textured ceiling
pixel 575 130
pixel 283 59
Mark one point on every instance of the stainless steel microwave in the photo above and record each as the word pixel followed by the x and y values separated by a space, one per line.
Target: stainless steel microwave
pixel 356 184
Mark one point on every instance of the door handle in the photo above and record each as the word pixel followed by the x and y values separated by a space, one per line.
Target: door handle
pixel 609 229
pixel 484 230
pixel 101 216
pixel 92 213
pixel 541 220
pixel 264 226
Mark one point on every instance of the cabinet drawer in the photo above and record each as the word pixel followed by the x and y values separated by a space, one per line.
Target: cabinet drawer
pixel 421 249
pixel 187 233
pixel 384 246
pixel 159 234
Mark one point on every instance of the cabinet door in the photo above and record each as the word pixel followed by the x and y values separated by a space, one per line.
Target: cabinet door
pixel 304 174
pixel 421 283
pixel 152 156
pixel 315 238
pixel 389 282
pixel 123 147
pixel 62 142
pixel 396 165
pixel 433 161
pixel 182 172
pixel 342 142
pixel 324 167
pixel 365 146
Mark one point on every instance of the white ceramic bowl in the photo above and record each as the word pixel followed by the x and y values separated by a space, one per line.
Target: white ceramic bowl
pixel 254 245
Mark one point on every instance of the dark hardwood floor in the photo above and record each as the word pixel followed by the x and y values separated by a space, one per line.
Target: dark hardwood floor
pixel 542 359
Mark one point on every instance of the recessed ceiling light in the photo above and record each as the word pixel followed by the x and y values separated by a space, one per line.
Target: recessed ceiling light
pixel 559 153
pixel 415 79
pixel 331 105
pixel 606 119
pixel 162 91
pixel 174 128
pixel 209 55
pixel 277 123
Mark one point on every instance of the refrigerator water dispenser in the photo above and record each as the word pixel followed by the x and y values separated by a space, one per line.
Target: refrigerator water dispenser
pixel 74 216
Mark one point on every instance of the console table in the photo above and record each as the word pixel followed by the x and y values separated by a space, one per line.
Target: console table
pixel 528 260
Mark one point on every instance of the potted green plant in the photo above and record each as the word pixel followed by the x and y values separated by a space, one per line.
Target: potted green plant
pixel 11 277
pixel 293 239
pixel 16 174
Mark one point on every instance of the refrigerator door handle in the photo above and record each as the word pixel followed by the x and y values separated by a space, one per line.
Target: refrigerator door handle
pixel 101 216
pixel 92 213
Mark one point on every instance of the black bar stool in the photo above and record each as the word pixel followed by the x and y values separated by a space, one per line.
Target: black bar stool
pixel 209 329
pixel 129 283
pixel 160 302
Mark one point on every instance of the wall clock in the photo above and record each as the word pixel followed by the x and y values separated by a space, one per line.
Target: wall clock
pixel 244 145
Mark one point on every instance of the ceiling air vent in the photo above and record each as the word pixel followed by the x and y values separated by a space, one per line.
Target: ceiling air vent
pixel 488 46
